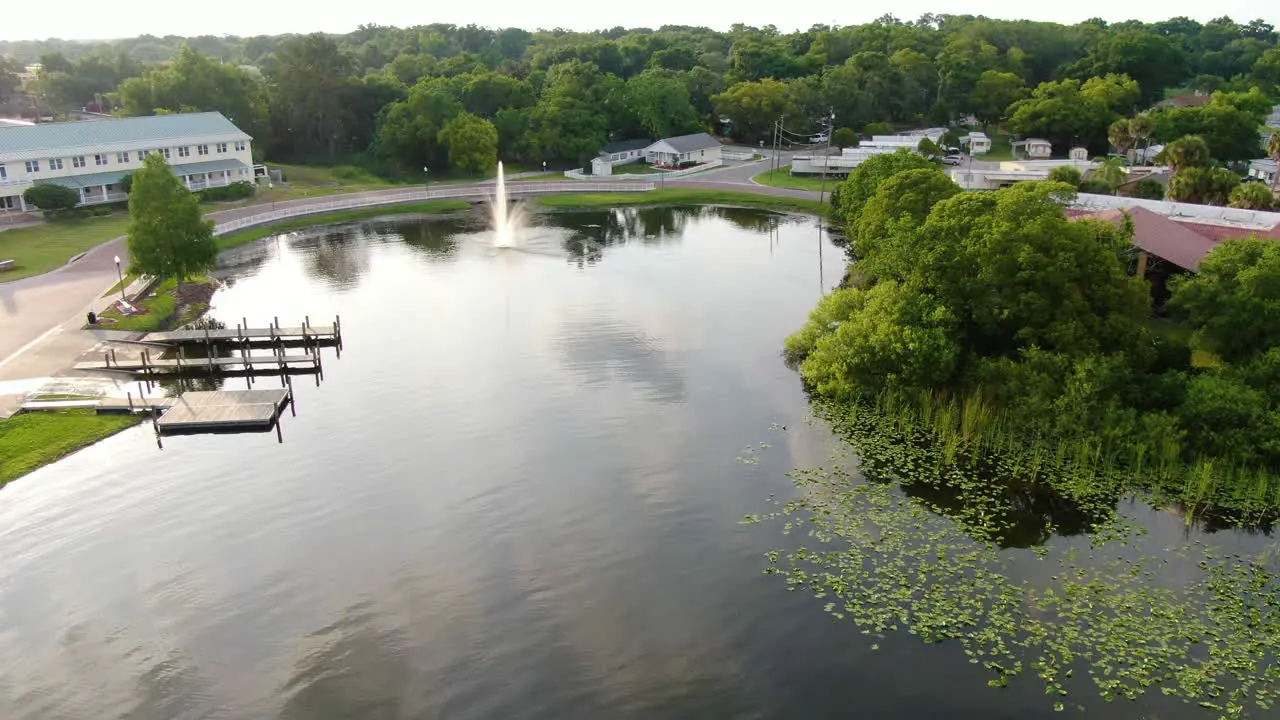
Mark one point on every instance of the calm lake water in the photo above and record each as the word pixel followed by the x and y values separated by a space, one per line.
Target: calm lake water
pixel 516 495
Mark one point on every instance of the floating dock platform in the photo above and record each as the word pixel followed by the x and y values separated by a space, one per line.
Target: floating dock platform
pixel 230 411
pixel 243 336
pixel 147 366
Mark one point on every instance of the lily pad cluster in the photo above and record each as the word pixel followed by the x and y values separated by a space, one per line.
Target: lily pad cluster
pixel 907 535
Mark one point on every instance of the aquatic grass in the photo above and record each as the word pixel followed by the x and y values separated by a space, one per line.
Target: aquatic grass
pixel 885 560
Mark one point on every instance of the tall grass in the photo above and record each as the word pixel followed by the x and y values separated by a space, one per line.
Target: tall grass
pixel 967 430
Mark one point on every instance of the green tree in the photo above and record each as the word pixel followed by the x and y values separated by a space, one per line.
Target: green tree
pixel 844 137
pixel 858 341
pixel 1233 299
pixel 1252 196
pixel 1230 132
pixel 1146 189
pixel 1203 185
pixel 1110 171
pixel 753 107
pixel 167 237
pixel 849 197
pixel 51 197
pixel 311 85
pixel 927 147
pixel 195 83
pixel 488 93
pixel 659 100
pixel 1120 135
pixel 409 132
pixel 1061 113
pixel 472 143
pixel 885 234
pixel 993 94
pixel 1066 174
pixel 1190 151
pixel 1152 60
pixel 9 82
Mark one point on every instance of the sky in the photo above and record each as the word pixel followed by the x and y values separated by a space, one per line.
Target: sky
pixel 95 19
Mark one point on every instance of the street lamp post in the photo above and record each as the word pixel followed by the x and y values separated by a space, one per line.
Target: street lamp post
pixel 427 182
pixel 544 166
pixel 120 275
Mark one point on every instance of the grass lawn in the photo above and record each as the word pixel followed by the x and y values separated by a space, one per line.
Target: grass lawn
pixel 783 178
pixel 541 177
pixel 31 440
pixel 1001 149
pixel 41 248
pixel 682 196
pixel 158 310
pixel 431 207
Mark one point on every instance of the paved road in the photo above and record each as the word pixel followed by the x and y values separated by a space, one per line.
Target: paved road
pixel 42 316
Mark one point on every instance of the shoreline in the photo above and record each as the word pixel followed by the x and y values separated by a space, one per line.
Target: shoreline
pixel 83 432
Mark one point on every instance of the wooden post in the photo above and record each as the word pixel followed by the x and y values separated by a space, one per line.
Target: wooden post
pixel 292 410
pixel 130 396
pixel 114 361
pixel 1142 265
pixel 279 434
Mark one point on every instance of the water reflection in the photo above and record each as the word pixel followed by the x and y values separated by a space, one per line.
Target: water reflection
pixel 339 257
pixel 433 240
pixel 597 353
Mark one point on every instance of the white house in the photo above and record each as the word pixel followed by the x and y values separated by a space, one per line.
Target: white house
pixel 977 142
pixel 1264 169
pixel 624 151
pixel 92 156
pixel 1034 148
pixel 698 147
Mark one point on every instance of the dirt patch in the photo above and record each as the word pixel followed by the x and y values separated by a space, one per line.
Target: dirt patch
pixel 192 301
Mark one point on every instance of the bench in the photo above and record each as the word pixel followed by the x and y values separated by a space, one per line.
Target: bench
pixel 7 264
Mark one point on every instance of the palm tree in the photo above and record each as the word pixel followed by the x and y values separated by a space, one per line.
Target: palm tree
pixel 1141 128
pixel 1121 136
pixel 1187 151
pixel 1110 170
pixel 1273 152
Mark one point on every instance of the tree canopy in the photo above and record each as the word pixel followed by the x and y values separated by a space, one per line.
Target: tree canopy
pixel 167 237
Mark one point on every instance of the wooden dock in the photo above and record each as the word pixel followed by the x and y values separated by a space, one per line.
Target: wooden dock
pixel 224 411
pixel 147 366
pixel 243 336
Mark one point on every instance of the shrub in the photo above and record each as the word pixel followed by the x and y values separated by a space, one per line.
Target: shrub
pixel 1145 189
pixel 100 211
pixel 1096 187
pixel 51 197
pixel 126 183
pixel 75 213
pixel 235 191
pixel 1066 174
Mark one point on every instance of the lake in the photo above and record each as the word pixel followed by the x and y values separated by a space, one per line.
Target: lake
pixel 517 494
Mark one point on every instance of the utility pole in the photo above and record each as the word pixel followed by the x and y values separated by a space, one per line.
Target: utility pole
pixel 826 156
pixel 777 130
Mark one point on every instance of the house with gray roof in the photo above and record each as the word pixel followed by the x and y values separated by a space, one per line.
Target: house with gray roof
pixel 697 148
pixel 93 156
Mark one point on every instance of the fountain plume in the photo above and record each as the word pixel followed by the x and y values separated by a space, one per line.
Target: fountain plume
pixel 506 220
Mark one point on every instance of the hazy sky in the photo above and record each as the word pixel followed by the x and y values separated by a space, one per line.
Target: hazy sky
pixel 96 19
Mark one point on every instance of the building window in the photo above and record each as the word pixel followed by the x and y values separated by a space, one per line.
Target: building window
pixel 99 160
pixel 3 173
pixel 77 161
pixel 33 166
pixel 165 153
pixel 222 147
pixel 142 155
pixel 55 163
pixel 240 146
pixel 202 149
pixel 122 158
pixel 184 152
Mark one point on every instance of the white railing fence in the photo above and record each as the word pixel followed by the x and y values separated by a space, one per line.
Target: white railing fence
pixel 515 189
pixel 645 177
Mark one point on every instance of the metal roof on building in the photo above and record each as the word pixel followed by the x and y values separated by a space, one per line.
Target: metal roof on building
pixel 689 143
pixel 84 181
pixel 150 130
pixel 208 167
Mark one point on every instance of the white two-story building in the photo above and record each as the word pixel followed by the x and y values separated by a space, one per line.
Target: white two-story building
pixel 92 156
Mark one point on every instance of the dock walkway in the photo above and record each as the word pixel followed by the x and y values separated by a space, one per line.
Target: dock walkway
pixel 224 411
